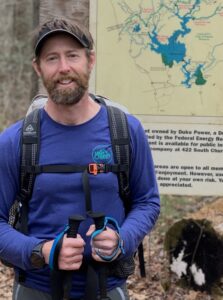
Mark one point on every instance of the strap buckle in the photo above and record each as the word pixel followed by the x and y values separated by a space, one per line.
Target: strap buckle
pixel 96 168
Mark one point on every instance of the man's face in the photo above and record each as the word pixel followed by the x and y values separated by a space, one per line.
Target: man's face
pixel 65 69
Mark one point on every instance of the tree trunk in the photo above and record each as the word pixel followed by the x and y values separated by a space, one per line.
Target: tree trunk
pixel 74 10
pixel 16 25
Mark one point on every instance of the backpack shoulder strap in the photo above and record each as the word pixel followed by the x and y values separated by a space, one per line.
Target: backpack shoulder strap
pixel 98 99
pixel 120 138
pixel 30 143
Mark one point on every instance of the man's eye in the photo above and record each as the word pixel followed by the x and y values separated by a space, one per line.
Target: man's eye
pixel 72 55
pixel 51 58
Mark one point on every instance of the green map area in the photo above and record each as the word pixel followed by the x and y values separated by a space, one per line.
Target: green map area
pixel 161 57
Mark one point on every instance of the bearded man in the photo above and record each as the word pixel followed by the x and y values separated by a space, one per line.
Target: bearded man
pixel 74 130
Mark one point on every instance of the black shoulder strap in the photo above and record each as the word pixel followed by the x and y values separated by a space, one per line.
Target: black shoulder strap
pixel 30 143
pixel 98 99
pixel 120 138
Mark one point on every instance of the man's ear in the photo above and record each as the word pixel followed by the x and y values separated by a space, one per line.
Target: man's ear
pixel 36 67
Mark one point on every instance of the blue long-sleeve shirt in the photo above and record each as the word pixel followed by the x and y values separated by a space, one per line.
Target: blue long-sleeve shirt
pixel 57 196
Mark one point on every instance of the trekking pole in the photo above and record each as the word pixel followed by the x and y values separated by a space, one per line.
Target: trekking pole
pixel 61 281
pixel 141 260
pixel 74 223
pixel 99 221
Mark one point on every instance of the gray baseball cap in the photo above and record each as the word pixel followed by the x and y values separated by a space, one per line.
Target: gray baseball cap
pixel 44 34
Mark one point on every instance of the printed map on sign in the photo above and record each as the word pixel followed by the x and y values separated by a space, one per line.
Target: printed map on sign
pixel 161 57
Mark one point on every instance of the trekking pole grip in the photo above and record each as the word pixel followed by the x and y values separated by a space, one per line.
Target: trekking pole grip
pixel 74 222
pixel 99 220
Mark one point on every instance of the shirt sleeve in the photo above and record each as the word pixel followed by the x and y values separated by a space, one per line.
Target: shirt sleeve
pixel 15 247
pixel 145 201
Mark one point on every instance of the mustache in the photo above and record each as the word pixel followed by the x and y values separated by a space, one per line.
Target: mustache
pixel 72 77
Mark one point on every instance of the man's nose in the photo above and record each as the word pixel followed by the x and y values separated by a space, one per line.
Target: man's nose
pixel 64 65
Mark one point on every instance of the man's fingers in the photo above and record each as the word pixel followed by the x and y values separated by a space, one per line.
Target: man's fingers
pixel 90 230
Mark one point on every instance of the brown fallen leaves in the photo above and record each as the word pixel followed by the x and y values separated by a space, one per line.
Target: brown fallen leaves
pixel 6 276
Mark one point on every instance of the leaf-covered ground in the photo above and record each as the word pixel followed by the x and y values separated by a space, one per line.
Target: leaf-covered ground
pixel 159 283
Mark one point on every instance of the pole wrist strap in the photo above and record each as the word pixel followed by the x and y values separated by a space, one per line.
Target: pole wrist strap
pixel 114 223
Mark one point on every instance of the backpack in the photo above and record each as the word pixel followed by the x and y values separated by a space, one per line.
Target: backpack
pixel 29 168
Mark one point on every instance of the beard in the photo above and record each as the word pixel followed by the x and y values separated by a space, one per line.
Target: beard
pixel 67 96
